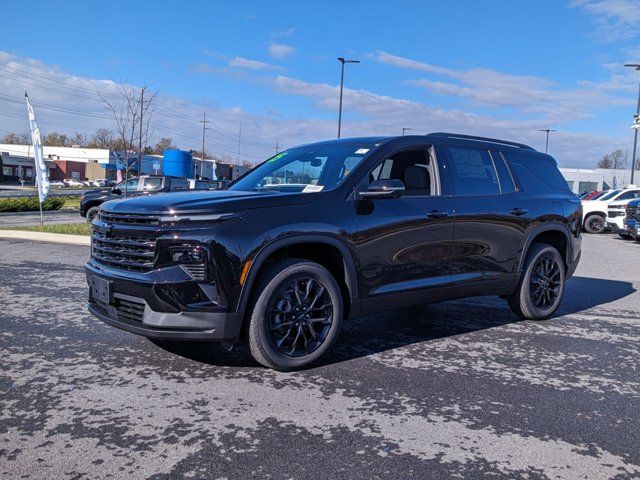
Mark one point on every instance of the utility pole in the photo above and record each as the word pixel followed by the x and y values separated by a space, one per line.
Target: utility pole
pixel 277 147
pixel 140 136
pixel 204 122
pixel 546 147
pixel 635 126
pixel 342 61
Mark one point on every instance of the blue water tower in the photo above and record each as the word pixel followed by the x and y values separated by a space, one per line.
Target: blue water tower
pixel 177 163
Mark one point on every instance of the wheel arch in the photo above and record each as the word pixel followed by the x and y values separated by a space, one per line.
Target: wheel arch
pixel 554 235
pixel 311 247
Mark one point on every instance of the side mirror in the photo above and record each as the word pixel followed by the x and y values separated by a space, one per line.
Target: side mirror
pixel 116 191
pixel 383 189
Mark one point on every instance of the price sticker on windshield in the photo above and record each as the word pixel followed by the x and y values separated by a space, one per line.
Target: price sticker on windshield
pixel 312 188
pixel 362 151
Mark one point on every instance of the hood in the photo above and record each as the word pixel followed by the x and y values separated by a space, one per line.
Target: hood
pixel 216 201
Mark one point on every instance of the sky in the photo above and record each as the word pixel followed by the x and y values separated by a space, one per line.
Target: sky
pixel 483 67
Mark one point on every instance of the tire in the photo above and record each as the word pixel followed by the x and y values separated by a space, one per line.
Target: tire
pixel 292 346
pixel 92 213
pixel 526 302
pixel 594 223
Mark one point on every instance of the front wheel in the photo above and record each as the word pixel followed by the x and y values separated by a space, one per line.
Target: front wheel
pixel 92 213
pixel 541 285
pixel 295 315
pixel 594 224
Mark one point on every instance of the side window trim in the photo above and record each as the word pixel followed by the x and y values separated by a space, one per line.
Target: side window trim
pixel 513 178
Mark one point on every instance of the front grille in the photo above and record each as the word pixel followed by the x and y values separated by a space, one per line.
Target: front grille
pixel 125 252
pixel 129 310
pixel 128 219
pixel 632 213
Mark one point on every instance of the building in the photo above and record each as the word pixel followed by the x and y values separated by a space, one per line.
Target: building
pixel 582 180
pixel 62 162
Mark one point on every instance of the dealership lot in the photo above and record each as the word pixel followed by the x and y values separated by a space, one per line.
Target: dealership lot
pixel 458 388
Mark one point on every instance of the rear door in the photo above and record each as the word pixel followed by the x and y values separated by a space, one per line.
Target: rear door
pixel 405 244
pixel 490 218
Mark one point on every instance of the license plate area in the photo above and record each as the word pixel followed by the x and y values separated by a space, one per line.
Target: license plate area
pixel 101 290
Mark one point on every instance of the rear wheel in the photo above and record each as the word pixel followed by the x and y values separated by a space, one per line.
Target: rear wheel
pixel 295 315
pixel 594 223
pixel 541 285
pixel 92 213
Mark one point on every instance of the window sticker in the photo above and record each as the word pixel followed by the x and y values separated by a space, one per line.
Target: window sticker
pixel 312 188
pixel 277 157
pixel 362 151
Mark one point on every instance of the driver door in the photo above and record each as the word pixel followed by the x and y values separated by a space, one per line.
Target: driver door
pixel 405 245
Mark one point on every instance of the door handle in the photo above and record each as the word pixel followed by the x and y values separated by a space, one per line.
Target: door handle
pixel 437 214
pixel 518 211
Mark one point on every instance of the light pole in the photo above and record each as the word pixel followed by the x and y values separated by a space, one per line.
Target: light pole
pixel 404 129
pixel 635 125
pixel 546 147
pixel 342 62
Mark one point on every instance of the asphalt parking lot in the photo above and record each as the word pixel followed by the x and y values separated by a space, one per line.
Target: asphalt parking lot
pixel 458 389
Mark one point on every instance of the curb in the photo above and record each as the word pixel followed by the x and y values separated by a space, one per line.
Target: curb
pixel 46 237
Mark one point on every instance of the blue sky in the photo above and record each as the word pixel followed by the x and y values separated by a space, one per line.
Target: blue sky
pixel 489 67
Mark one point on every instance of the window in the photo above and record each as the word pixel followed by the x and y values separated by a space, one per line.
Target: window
pixel 473 172
pixel 6 170
pixel 630 195
pixel 151 183
pixel 413 167
pixel 130 185
pixel 507 184
pixel 586 187
pixel 609 195
pixel 305 169
pixel 179 184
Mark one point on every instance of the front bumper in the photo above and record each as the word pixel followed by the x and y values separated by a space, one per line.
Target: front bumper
pixel 616 224
pixel 136 306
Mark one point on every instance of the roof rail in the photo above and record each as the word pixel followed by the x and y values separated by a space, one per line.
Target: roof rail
pixel 480 139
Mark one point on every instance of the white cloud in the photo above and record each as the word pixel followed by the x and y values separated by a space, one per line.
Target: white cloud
pixel 240 62
pixel 530 94
pixel 280 50
pixel 283 33
pixel 615 19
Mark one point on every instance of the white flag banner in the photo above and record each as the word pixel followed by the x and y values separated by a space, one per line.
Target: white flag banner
pixel 42 177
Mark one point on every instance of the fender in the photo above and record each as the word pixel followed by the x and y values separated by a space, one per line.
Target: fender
pixel 546 227
pixel 262 255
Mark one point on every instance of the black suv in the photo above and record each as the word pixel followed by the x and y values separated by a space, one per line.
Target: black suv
pixel 135 186
pixel 327 231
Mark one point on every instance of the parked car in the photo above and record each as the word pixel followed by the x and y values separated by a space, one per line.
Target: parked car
pixel 632 219
pixel 197 184
pixel 595 211
pixel 359 225
pixel 616 215
pixel 591 195
pixel 143 185
pixel 56 183
pixel 70 182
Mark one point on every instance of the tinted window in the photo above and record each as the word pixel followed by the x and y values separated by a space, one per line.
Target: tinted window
pixel 151 183
pixel 473 172
pixel 628 195
pixel 543 168
pixel 179 184
pixel 130 185
pixel 609 195
pixel 507 184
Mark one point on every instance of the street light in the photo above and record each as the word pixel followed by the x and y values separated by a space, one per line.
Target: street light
pixel 546 147
pixel 342 61
pixel 636 124
pixel 404 129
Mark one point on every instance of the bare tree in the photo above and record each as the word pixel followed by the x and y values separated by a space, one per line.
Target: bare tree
pixel 17 139
pixel 103 138
pixel 615 160
pixel 132 115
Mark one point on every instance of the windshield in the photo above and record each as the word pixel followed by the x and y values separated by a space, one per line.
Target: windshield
pixel 609 195
pixel 306 169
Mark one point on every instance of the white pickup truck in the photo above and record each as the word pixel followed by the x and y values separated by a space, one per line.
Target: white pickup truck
pixel 594 212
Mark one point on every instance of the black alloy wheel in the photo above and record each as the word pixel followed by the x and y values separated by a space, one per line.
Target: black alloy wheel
pixel 595 224
pixel 300 317
pixel 545 282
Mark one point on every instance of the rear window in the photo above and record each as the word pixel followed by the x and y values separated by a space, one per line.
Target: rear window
pixel 543 168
